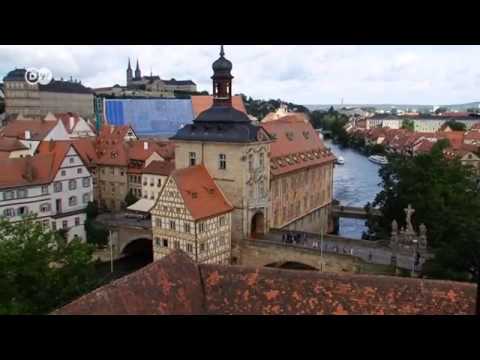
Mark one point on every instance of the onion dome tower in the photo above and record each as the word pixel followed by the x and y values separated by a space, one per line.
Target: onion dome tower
pixel 222 122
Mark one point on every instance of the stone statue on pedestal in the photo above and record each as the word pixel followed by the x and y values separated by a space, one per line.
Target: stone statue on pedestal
pixel 423 236
pixel 408 221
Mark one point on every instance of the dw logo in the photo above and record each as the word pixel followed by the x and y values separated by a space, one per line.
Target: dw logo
pixel 41 76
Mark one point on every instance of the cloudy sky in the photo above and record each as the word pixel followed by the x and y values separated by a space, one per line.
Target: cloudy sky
pixel 300 74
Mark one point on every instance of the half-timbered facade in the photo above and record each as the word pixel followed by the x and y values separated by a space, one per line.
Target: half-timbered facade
pixel 193 215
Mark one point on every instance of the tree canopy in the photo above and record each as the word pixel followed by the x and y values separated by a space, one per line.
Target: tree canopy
pixel 40 270
pixel 456 126
pixel 446 199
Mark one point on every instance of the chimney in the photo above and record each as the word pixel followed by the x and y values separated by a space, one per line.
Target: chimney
pixel 72 122
pixel 145 145
pixel 27 134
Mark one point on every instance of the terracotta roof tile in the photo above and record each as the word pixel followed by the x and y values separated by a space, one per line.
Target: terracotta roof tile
pixel 202 197
pixel 176 285
pixel 296 145
pixel 39 129
pixel 11 144
pixel 164 168
pixel 201 103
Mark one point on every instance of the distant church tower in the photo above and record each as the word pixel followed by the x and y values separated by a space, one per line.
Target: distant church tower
pixel 129 73
pixel 138 74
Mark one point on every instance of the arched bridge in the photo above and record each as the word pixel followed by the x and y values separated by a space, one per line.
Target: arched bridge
pixel 353 212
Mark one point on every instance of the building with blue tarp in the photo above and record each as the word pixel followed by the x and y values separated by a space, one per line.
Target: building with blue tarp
pixel 149 117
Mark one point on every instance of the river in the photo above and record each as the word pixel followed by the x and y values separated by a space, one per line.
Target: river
pixel 354 184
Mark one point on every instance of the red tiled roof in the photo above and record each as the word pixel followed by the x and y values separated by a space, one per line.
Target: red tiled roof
pixel 39 129
pixel 296 145
pixel 455 137
pixel 84 147
pixel 201 195
pixel 155 167
pixel 176 285
pixel 33 170
pixel 475 126
pixel 11 144
pixel 201 103
pixel 425 146
pixel 114 132
pixel 65 119
pixel 472 135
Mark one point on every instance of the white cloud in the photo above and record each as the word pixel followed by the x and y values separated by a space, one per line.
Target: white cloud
pixel 302 74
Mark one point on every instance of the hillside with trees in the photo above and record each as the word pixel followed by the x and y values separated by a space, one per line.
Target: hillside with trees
pixel 260 108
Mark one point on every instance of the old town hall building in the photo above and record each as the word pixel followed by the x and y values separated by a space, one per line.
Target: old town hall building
pixel 223 177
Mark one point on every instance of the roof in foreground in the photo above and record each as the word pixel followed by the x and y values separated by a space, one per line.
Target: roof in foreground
pixel 176 285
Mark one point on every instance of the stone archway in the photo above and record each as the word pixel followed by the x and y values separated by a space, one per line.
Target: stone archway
pixel 138 246
pixel 257 226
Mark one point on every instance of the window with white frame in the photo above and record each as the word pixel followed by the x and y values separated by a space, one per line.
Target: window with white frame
pixel 65 224
pixel 79 170
pixel 201 227
pixel 190 248
pixel 8 195
pixel 63 173
pixel 77 221
pixel 22 193
pixel 86 198
pixel 222 161
pixel 72 201
pixel 72 184
pixel 57 186
pixel 45 207
pixel 186 227
pixel 172 224
pixel 44 189
pixel 72 159
pixel 10 212
pixel 86 182
pixel 222 220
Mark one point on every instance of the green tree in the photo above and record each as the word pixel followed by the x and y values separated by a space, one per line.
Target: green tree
pixel 408 124
pixel 130 198
pixel 40 270
pixel 446 199
pixel 441 110
pixel 96 233
pixel 456 126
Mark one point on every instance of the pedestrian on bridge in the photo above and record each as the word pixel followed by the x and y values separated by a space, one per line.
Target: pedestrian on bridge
pixel 370 256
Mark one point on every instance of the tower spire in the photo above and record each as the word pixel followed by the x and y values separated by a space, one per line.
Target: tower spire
pixel 129 67
pixel 138 73
pixel 222 53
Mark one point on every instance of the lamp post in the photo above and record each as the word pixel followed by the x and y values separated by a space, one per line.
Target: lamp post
pixel 111 250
